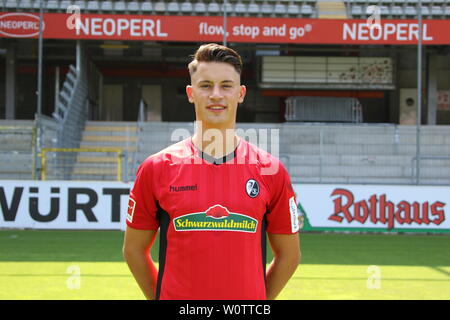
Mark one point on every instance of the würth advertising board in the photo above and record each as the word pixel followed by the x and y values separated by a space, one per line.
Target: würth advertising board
pixel 205 29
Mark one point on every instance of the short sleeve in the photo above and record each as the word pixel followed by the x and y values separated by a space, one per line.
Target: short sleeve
pixel 283 216
pixel 142 204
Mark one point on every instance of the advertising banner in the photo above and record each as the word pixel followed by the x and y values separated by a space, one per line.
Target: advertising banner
pixel 210 29
pixel 374 208
pixel 63 204
pixel 104 205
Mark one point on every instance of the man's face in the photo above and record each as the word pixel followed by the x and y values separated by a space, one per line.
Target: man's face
pixel 216 91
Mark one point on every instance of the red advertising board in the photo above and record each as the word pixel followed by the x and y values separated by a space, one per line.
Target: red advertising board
pixel 207 29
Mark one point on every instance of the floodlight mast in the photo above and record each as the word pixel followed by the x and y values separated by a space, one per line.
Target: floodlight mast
pixel 419 90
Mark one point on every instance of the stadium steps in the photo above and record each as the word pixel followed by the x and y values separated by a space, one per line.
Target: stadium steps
pixel 331 9
pixel 98 165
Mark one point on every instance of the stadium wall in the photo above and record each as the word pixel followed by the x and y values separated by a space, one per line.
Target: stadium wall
pixel 353 208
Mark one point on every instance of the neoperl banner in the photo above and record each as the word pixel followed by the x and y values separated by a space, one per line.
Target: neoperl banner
pixel 210 28
pixel 375 207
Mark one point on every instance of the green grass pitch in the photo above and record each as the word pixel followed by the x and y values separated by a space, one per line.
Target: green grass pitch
pixel 89 265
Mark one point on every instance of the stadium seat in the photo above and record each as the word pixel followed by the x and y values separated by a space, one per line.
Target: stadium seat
pixel 37 4
pixel 120 6
pixel 25 4
pixel 425 11
pixel 93 6
pixel 133 6
pixel 447 10
pixel 81 4
pixel 160 6
pixel 230 8
pixel 293 9
pixel 106 6
pixel 266 8
pixel 11 4
pixel 384 10
pixel 396 11
pixel 410 11
pixel 357 10
pixel 200 7
pixel 52 5
pixel 173 7
pixel 280 8
pixel 437 11
pixel 306 9
pixel 147 6
pixel 240 8
pixel 213 7
pixel 64 4
pixel 253 8
pixel 186 6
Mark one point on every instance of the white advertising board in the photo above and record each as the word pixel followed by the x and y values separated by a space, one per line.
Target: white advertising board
pixel 103 205
pixel 375 206
pixel 63 204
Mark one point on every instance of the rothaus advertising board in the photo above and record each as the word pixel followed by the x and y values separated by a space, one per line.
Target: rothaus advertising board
pixel 375 207
pixel 104 205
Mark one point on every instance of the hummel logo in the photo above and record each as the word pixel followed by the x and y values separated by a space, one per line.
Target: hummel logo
pixel 183 188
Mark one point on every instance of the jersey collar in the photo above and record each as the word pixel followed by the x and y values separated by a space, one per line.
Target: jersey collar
pixel 217 161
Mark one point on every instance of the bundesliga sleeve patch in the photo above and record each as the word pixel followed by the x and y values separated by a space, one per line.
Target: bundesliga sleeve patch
pixel 130 211
pixel 295 219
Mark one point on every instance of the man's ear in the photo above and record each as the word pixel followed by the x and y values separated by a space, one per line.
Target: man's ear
pixel 189 93
pixel 242 93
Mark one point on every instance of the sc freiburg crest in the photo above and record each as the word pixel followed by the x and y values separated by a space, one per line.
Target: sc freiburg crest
pixel 252 188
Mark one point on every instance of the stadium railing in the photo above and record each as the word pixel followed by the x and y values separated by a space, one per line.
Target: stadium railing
pixel 109 164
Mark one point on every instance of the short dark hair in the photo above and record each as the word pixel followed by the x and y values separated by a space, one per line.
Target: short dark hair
pixel 213 52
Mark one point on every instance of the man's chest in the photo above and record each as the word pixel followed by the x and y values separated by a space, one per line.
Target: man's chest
pixel 209 193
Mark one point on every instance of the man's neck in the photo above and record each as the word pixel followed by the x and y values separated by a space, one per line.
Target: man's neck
pixel 214 141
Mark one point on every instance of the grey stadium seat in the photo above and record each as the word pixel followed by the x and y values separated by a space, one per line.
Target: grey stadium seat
pixel 186 7
pixel 93 6
pixel 147 6
pixel 253 8
pixel 293 9
pixel 173 6
pixel 120 6
pixel 200 7
pixel 25 4
pixel 160 6
pixel 106 6
pixel 133 6
pixel 213 7
pixel 240 8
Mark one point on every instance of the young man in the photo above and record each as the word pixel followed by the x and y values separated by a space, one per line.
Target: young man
pixel 213 197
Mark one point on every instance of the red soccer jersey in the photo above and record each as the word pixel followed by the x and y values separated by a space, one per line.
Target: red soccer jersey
pixel 213 219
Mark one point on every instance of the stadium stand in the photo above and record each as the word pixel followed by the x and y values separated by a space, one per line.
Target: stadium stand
pixel 17 149
pixel 312 152
pixel 325 9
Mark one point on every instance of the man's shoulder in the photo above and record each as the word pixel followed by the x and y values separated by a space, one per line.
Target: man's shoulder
pixel 271 167
pixel 174 152
pixel 258 153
